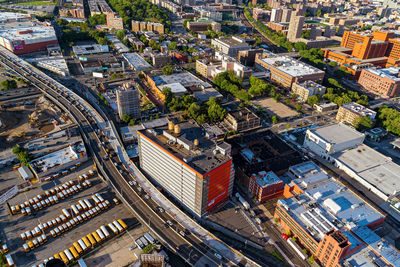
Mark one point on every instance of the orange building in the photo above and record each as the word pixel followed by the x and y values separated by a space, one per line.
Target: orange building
pixel 321 214
pixel 358 51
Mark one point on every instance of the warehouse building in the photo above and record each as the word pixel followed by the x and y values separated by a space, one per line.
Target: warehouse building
pixel 136 62
pixel 22 40
pixel 185 163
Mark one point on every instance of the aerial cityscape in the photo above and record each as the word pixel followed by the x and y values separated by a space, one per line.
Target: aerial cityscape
pixel 200 133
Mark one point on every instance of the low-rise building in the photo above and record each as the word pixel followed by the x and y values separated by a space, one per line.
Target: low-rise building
pixel 59 160
pixel 136 62
pixel 77 12
pixel 248 57
pixel 306 89
pixel 202 25
pixel 325 107
pixel 22 40
pixel 265 185
pixel 242 120
pixel 351 112
pixel 160 59
pixel 89 49
pixel 326 218
pixel 118 44
pixel 55 64
pixel 230 45
pixel 383 82
pixel 286 71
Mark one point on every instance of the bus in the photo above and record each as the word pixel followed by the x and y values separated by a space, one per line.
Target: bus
pixel 74 252
pixel 91 239
pixel 112 227
pixel 104 230
pixel 121 222
pixel 82 244
pixel 101 199
pixel 75 209
pixel 88 204
pixel 119 227
pixel 96 200
pixel 86 241
pixel 77 247
pixel 97 237
pixel 100 233
pixel 10 261
pixel 57 256
pixel 64 257
pixel 144 241
pixel 66 213
pixel 69 255
pixel 149 238
pixel 83 205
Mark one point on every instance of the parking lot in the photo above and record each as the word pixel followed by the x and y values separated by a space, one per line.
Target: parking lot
pixel 275 108
pixel 11 227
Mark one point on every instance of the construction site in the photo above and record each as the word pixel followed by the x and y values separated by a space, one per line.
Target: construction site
pixel 28 118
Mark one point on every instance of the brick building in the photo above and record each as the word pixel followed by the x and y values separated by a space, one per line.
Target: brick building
pixel 138 26
pixel 350 112
pixel 383 82
pixel 114 21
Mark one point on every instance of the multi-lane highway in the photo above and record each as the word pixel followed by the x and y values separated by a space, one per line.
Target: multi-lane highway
pixel 171 233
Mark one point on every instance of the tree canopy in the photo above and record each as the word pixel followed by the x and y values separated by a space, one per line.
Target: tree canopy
pixel 390 119
pixel 362 123
pixel 98 19
pixel 227 81
pixel 8 84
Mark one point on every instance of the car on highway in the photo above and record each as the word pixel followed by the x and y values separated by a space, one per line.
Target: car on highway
pixel 169 223
pixel 218 255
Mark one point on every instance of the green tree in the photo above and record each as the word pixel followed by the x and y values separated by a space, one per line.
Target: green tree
pixel 98 19
pixel 113 76
pixel 287 102
pixel 167 70
pixel 132 122
pixel 126 118
pixel 121 34
pixel 333 64
pixel 298 107
pixel 168 96
pixel 8 85
pixel 215 111
pixel 312 100
pixel 194 110
pixel 172 46
pixel 17 149
pixel 274 119
pixel 362 123
pixel 300 46
pixel 319 13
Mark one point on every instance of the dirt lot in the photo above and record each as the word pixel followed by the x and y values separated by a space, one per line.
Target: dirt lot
pixel 22 123
pixel 12 226
pixel 275 108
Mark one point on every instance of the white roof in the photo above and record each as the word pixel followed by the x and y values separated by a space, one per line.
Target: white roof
pixel 176 88
pixel 377 169
pixel 336 133
pixel 38 34
pixel 289 65
pixel 391 73
pixel 136 61
pixel 11 16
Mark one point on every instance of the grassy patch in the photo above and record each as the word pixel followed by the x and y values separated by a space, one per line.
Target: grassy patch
pixel 277 255
pixel 36 3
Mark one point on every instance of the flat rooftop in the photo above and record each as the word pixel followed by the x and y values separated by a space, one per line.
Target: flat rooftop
pixel 336 133
pixel 185 78
pixel 176 88
pixel 264 179
pixel 29 35
pixel 375 168
pixel 359 109
pixel 391 73
pixel 311 85
pixel 289 65
pixel 71 153
pixel 90 49
pixel 232 41
pixel 11 16
pixel 243 114
pixel 136 61
pixel 181 146
pixel 205 94
pixel 118 44
pixel 327 204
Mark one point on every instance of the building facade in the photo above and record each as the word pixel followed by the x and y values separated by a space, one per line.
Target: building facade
pixel 306 89
pixel 295 28
pixel 128 101
pixel 230 46
pixel 286 71
pixel 138 26
pixel 351 112
pixel 114 22
pixel 169 155
pixel 383 82
pixel 242 120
